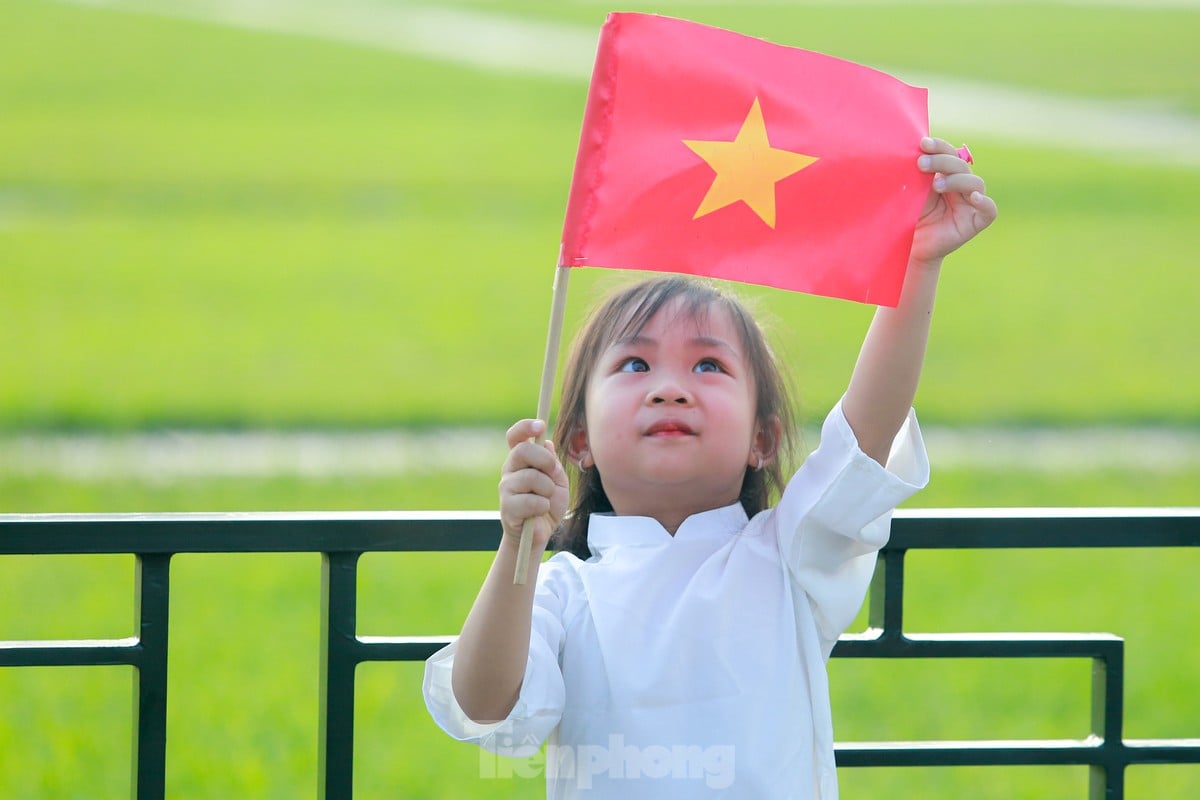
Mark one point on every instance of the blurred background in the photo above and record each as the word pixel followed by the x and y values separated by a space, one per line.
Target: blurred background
pixel 288 254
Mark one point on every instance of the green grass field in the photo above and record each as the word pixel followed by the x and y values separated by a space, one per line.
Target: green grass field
pixel 208 227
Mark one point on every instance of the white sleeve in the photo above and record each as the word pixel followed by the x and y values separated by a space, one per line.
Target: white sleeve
pixel 836 512
pixel 543 694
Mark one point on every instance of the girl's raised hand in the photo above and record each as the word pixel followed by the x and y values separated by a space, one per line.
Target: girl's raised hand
pixel 533 484
pixel 957 208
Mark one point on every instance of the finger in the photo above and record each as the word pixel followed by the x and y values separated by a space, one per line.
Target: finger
pixel 525 429
pixel 523 507
pixel 527 481
pixel 931 144
pixel 527 455
pixel 947 164
pixel 961 183
pixel 985 209
pixel 520 507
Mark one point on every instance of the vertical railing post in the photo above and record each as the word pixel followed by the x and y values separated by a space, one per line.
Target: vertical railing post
pixel 1106 781
pixel 339 573
pixel 886 605
pixel 152 602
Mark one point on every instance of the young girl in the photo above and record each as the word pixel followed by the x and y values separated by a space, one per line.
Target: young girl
pixel 675 645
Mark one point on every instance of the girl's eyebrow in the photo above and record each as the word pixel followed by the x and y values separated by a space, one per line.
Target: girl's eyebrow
pixel 720 344
pixel 700 341
pixel 635 339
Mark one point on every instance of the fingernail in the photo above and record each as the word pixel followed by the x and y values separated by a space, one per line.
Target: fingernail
pixel 538 426
pixel 927 141
pixel 924 162
pixel 939 183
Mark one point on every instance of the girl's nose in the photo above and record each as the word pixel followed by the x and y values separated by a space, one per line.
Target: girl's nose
pixel 669 393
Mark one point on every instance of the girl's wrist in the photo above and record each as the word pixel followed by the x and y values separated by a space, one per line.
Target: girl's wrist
pixel 929 266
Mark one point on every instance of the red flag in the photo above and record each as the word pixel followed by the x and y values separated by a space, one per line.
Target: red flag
pixel 711 153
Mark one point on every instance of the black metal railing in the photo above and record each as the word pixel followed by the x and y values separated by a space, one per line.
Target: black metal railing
pixel 342 538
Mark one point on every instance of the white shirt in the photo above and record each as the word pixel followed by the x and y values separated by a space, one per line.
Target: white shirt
pixel 693 665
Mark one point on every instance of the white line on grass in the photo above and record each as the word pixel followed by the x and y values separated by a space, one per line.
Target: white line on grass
pixel 169 457
pixel 1141 131
pixel 1134 5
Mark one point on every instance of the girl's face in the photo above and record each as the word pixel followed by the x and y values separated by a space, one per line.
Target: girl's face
pixel 670 416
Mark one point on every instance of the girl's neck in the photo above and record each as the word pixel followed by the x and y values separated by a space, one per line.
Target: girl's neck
pixel 669 515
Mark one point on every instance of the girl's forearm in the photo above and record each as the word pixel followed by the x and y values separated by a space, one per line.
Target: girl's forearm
pixel 885 378
pixel 489 663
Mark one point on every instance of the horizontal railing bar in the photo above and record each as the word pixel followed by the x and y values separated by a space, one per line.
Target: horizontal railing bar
pixel 398 531
pixel 1021 752
pixel 71 653
pixel 1165 751
pixel 400 648
pixel 978 645
pixel 250 532
pixel 998 528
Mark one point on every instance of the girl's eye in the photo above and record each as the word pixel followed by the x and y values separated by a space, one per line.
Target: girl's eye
pixel 633 365
pixel 707 365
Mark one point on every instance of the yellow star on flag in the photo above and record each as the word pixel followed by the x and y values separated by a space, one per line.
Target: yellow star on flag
pixel 747 168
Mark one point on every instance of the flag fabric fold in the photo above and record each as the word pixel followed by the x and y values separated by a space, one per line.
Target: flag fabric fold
pixel 707 152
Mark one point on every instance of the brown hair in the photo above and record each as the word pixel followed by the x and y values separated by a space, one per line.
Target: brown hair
pixel 625 313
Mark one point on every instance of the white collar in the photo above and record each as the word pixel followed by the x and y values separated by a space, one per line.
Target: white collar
pixel 608 530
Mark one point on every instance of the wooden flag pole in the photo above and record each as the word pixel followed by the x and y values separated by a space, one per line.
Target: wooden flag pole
pixel 549 369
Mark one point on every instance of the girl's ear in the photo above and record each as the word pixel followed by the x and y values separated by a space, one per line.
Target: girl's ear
pixel 577 449
pixel 765 445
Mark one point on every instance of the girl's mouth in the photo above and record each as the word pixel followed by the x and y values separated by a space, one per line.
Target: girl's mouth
pixel 669 427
